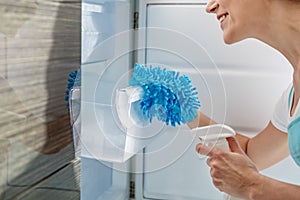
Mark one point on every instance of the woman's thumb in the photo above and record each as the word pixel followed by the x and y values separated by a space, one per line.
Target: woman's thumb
pixel 234 145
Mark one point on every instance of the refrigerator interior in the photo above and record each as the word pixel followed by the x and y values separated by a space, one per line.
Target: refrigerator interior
pixel 238 85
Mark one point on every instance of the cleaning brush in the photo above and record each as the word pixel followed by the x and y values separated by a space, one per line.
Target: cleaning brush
pixel 73 80
pixel 167 95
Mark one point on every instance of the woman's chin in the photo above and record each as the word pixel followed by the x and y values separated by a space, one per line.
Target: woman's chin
pixel 227 41
pixel 230 40
pixel 231 37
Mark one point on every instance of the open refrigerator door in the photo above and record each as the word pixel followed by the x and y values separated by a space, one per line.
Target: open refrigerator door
pixel 160 161
pixel 106 61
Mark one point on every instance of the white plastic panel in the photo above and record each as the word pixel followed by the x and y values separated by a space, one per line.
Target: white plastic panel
pixel 106 59
pixel 237 84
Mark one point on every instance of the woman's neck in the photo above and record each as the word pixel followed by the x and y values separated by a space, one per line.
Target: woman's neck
pixel 283 31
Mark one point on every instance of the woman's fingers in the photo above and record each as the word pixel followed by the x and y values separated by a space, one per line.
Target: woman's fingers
pixel 234 145
pixel 203 149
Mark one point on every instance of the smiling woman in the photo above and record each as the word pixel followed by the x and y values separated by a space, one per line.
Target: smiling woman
pixel 276 23
pixel 234 18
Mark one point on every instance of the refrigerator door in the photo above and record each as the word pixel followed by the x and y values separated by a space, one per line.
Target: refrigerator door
pixel 238 85
pixel 106 63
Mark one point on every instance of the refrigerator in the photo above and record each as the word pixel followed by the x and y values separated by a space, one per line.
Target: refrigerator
pixel 238 85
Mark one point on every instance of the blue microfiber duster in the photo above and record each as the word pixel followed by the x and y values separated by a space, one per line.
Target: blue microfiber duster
pixel 73 80
pixel 168 96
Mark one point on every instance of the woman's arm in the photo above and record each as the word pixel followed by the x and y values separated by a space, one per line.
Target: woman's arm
pixel 268 188
pixel 268 147
pixel 200 120
pixel 265 149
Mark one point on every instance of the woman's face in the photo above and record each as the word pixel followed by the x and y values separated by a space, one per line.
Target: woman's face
pixel 239 19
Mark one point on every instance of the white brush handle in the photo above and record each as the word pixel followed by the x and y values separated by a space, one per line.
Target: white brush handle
pixel 213 132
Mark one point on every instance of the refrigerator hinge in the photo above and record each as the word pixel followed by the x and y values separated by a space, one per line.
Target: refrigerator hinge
pixel 132 190
pixel 136 20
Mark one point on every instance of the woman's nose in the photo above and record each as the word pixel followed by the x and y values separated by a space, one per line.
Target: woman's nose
pixel 212 6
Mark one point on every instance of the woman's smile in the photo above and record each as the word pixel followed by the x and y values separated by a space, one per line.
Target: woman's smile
pixel 222 18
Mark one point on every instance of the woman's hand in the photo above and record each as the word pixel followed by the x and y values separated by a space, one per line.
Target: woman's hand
pixel 232 172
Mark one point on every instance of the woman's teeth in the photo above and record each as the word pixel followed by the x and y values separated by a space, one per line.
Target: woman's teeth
pixel 222 18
